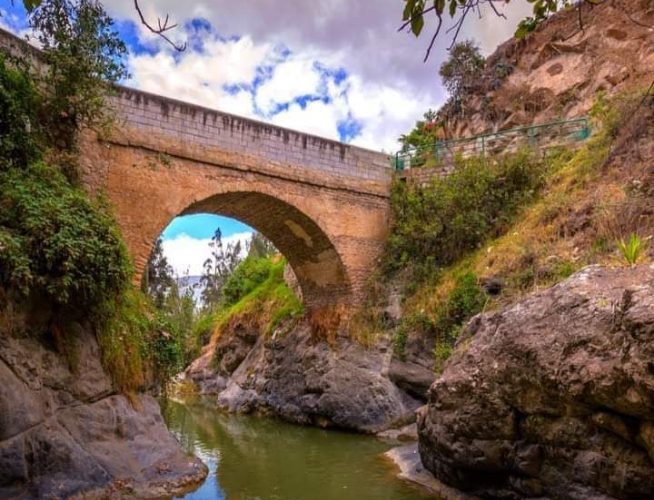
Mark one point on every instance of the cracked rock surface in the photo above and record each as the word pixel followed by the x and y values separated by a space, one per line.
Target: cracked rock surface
pixel 306 381
pixel 65 434
pixel 553 396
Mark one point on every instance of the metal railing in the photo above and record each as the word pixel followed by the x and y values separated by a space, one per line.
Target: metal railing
pixel 543 136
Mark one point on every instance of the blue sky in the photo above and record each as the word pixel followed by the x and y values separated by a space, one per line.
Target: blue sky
pixel 186 240
pixel 334 68
pixel 203 226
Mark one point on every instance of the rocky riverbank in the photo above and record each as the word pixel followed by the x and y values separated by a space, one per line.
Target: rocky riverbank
pixel 64 432
pixel 406 459
pixel 553 396
pixel 331 384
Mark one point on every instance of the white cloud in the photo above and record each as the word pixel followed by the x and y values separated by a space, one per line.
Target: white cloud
pixel 316 118
pixel 200 77
pixel 186 254
pixel 387 89
pixel 291 78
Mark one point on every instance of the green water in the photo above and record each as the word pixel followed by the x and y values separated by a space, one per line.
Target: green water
pixel 258 458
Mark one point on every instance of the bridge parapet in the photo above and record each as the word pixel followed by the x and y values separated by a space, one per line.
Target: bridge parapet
pixel 200 127
pixel 171 126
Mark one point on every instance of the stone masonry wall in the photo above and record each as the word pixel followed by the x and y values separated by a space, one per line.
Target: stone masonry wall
pixel 215 129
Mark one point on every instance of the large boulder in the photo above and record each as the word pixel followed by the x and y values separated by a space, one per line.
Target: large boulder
pixel 552 397
pixel 311 381
pixel 64 432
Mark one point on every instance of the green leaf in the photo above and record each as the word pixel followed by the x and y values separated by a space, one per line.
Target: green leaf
pixel 417 23
pixel 452 8
pixel 30 5
pixel 408 9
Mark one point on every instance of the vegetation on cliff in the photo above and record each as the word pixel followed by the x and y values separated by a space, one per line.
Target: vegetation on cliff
pixel 589 204
pixel 236 292
pixel 435 225
pixel 256 297
pixel 61 251
pixel 256 293
pixel 576 207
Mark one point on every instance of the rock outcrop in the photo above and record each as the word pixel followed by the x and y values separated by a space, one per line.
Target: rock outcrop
pixel 308 381
pixel 553 396
pixel 66 433
pixel 557 70
pixel 413 372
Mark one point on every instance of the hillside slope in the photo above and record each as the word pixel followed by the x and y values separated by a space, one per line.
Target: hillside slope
pixel 548 391
pixel 593 197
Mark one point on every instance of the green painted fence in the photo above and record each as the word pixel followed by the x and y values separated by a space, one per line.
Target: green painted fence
pixel 538 137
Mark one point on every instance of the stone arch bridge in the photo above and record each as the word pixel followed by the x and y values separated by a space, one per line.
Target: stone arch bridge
pixel 324 204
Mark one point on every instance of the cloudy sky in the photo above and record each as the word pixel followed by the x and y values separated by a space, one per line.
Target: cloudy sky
pixel 335 68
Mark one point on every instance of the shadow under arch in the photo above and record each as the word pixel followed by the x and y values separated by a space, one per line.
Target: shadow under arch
pixel 311 254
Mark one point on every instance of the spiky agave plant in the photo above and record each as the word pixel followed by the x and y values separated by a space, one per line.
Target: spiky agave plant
pixel 633 249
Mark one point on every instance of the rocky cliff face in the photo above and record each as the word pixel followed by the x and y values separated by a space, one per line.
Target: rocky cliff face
pixel 552 397
pixel 66 433
pixel 310 381
pixel 557 71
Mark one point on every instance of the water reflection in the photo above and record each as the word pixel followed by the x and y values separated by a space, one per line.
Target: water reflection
pixel 254 458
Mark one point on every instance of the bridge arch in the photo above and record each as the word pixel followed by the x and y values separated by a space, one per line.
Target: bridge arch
pixel 324 204
pixel 316 262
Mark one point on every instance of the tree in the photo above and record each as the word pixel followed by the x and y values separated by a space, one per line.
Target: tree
pixel 158 279
pixel 260 246
pixel 162 27
pixel 84 56
pixel 217 268
pixel 424 133
pixel 179 315
pixel 462 70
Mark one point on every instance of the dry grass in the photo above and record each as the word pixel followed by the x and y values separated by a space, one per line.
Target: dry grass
pixel 326 322
pixel 595 197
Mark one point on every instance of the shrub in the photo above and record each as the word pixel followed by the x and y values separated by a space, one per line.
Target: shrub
pixel 123 339
pixel 19 104
pixel 84 55
pixel 435 225
pixel 445 321
pixel 201 330
pixel 247 275
pixel 167 347
pixel 442 352
pixel 463 302
pixel 57 243
pixel 141 345
pixel 400 338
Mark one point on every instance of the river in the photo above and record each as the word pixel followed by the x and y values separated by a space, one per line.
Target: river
pixel 264 459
